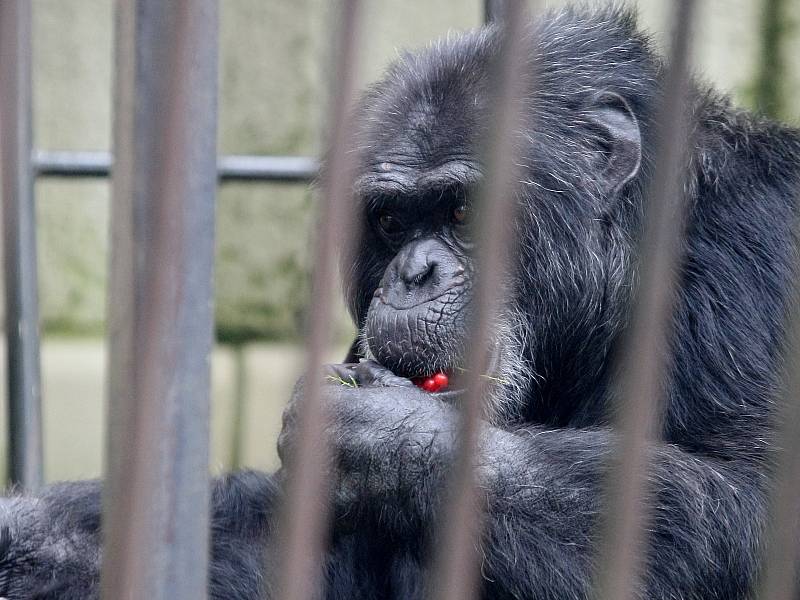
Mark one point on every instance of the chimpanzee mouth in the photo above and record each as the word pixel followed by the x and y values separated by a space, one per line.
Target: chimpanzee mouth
pixel 418 340
pixel 425 339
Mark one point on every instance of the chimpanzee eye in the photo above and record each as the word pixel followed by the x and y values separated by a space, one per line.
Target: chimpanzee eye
pixel 388 222
pixel 460 214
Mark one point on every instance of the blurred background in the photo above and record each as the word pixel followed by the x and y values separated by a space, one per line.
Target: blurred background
pixel 273 60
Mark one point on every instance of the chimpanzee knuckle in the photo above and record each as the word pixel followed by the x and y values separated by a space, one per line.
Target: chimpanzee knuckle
pixel 296 401
pixel 281 446
pixel 335 411
pixel 359 413
pixel 341 375
pixel 371 373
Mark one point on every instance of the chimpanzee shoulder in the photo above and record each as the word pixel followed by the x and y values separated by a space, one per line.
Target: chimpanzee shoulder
pixel 740 265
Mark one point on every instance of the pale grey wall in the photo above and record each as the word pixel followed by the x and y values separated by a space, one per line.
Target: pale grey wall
pixel 791 54
pixel 272 66
pixel 273 87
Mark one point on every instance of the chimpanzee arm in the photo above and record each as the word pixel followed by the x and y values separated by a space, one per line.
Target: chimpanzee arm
pixel 242 508
pixel 543 487
pixel 545 490
pixel 50 542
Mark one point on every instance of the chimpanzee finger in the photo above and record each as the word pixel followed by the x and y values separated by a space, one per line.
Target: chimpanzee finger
pixel 343 374
pixel 369 372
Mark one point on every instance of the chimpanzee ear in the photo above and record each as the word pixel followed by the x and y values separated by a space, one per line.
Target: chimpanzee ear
pixel 620 140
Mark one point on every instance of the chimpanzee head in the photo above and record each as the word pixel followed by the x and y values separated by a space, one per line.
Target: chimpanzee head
pixel 578 203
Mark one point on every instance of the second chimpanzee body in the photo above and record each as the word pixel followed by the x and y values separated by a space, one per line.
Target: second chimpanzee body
pixel 546 446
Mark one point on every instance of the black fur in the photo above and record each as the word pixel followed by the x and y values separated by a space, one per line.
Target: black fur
pixel 545 453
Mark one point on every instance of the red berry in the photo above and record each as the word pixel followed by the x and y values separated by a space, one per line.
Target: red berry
pixel 429 385
pixel 441 380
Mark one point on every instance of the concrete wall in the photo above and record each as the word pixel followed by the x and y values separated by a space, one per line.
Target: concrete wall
pixel 273 60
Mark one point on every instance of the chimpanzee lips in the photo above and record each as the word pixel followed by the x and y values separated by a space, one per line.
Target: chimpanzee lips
pixel 421 339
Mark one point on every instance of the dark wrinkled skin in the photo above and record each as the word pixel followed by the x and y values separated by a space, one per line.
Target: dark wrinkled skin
pixel 416 322
pixel 366 425
pixel 587 150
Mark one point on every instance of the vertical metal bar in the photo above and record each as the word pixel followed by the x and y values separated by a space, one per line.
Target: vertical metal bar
pixel 19 246
pixel 305 513
pixel 456 575
pixel 643 360
pixel 161 300
pixel 779 578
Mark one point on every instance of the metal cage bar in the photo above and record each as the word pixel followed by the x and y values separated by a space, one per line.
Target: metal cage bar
pixel 643 361
pixel 161 300
pixel 457 562
pixel 779 578
pixel 278 169
pixel 305 515
pixel 19 247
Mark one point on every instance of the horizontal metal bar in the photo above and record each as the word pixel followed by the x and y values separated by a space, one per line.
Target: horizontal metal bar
pixel 72 164
pixel 267 168
pixel 281 169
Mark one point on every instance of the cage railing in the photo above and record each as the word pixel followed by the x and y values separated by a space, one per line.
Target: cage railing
pixel 305 517
pixel 19 248
pixel 160 313
pixel 165 175
pixel 235 168
pixel 645 355
pixel 456 567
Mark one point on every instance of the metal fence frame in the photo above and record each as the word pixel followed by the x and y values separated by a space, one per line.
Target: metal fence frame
pixel 19 247
pixel 164 182
pixel 160 311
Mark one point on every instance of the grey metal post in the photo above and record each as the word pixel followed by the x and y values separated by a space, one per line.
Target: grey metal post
pixel 780 560
pixel 160 301
pixel 19 246
pixel 304 520
pixel 644 359
pixel 456 568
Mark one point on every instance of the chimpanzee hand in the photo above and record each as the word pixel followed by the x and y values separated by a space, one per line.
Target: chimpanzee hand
pixel 390 444
pixel 365 373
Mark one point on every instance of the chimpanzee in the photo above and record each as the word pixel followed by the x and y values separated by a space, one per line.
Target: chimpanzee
pixel 546 444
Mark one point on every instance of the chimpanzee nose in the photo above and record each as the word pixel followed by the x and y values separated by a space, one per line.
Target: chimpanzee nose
pixel 417 267
pixel 417 263
pixel 421 271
